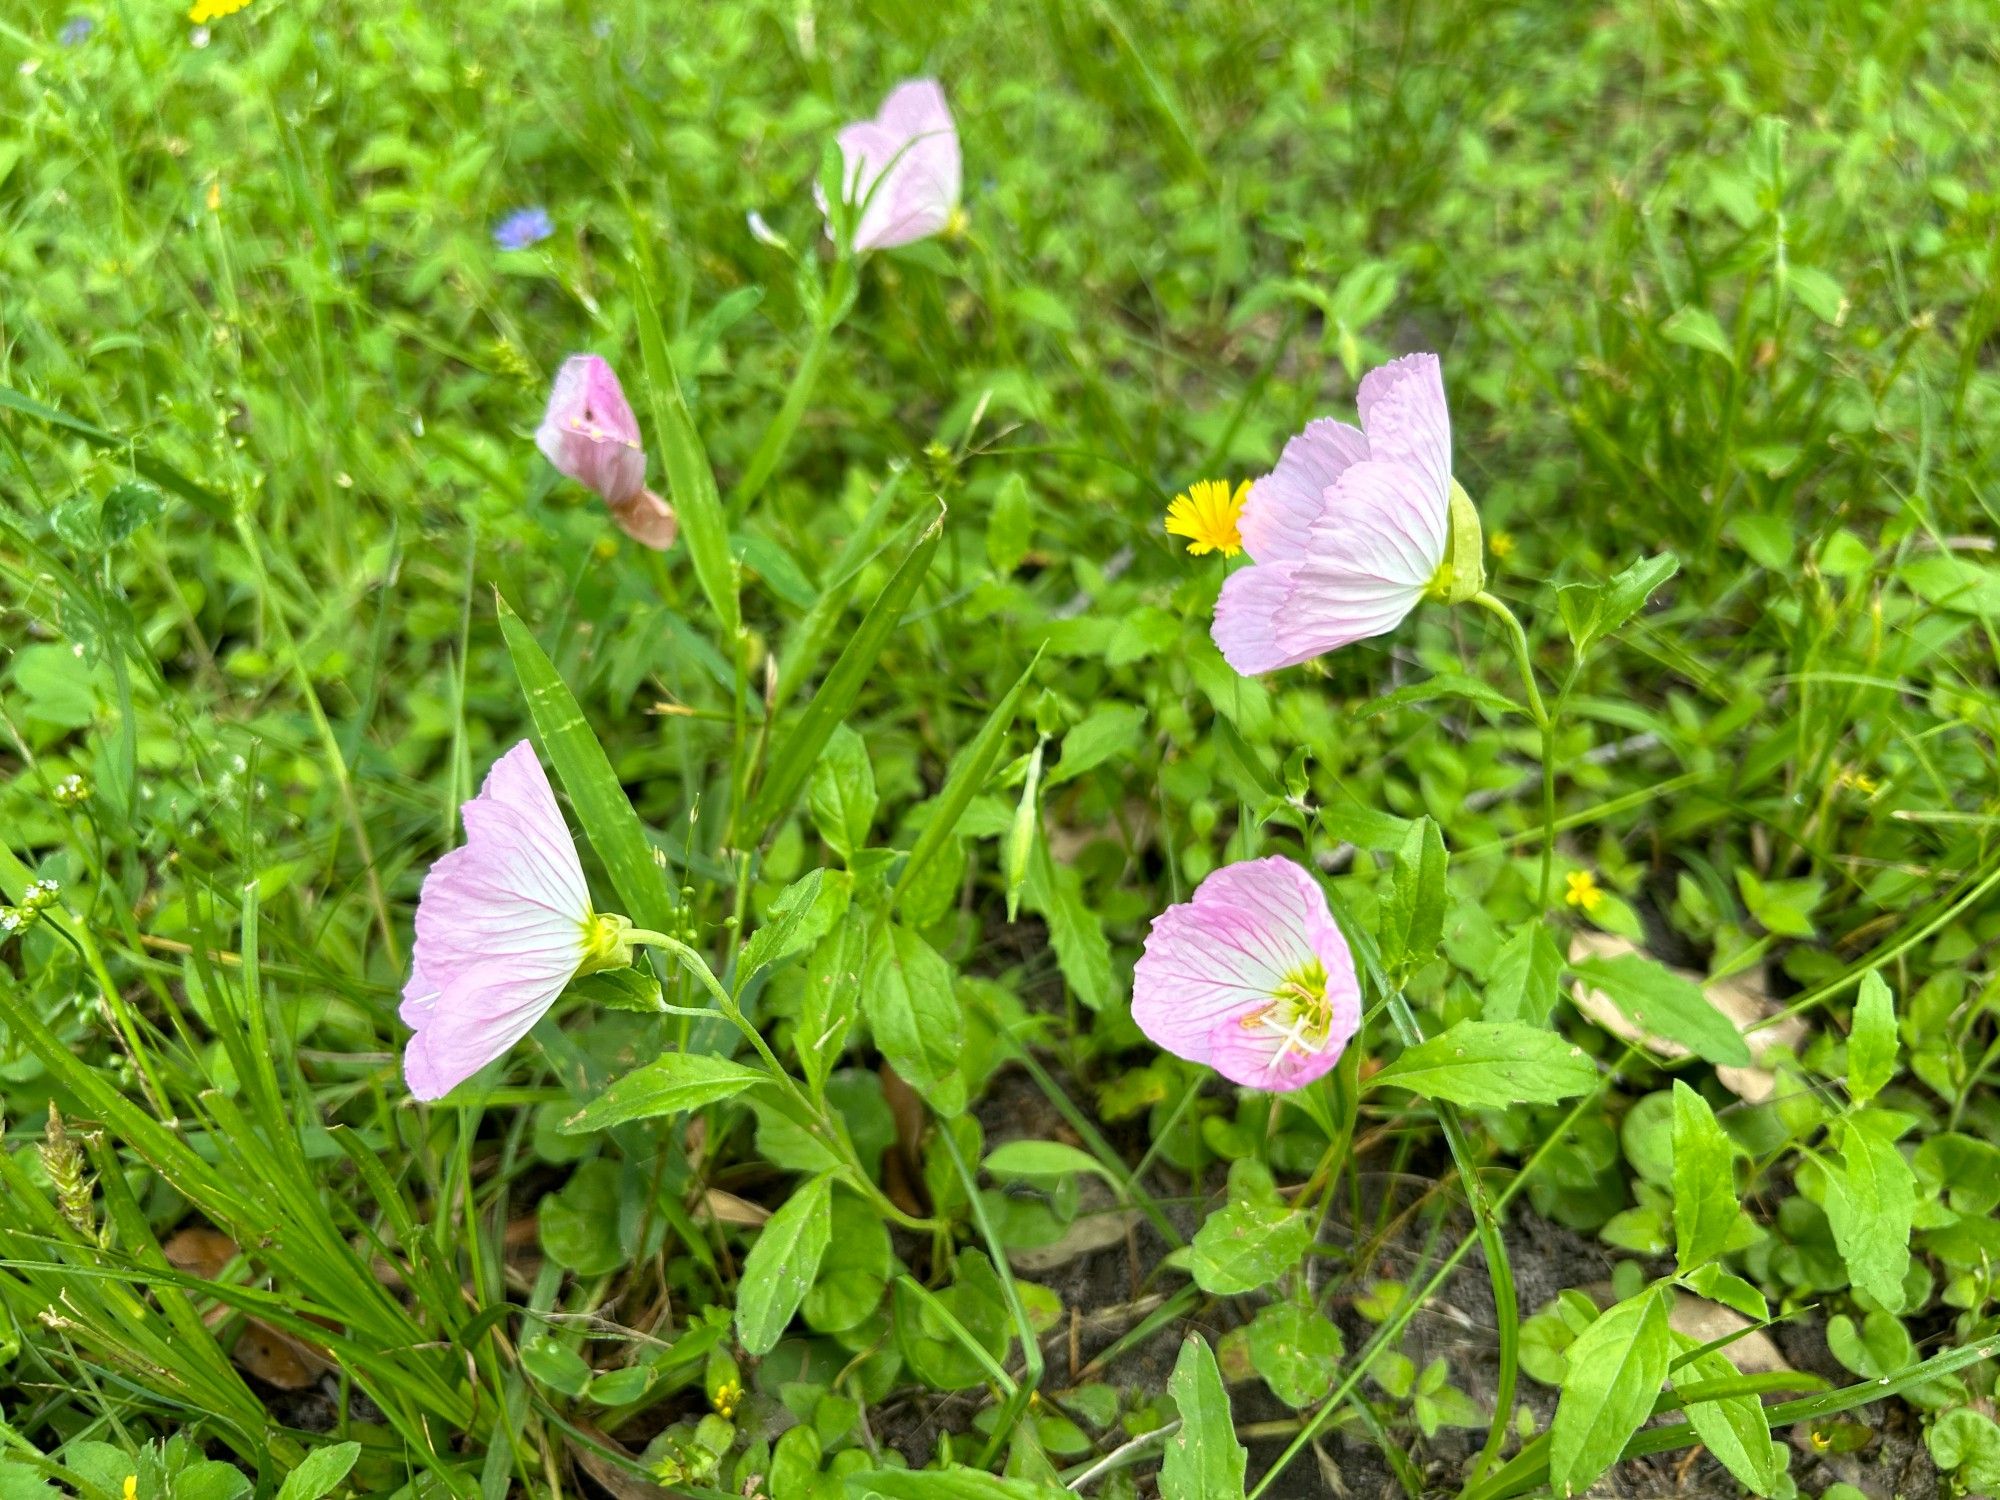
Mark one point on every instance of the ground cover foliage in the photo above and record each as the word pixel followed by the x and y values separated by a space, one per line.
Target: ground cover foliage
pixel 1666 1156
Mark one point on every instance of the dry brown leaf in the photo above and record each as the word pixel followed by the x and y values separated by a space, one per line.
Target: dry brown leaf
pixel 727 1208
pixel 272 1355
pixel 1739 997
pixel 1705 1321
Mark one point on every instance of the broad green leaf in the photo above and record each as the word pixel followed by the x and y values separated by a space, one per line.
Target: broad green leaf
pixel 609 822
pixel 836 697
pixel 1526 972
pixel 1629 590
pixel 617 989
pixel 1253 1240
pixel 1718 1285
pixel 781 1266
pixel 1612 1376
pixel 1871 1045
pixel 1044 1159
pixel 679 1081
pixel 1413 909
pixel 1362 826
pixel 1010 525
pixel 832 996
pixel 1662 1004
pixel 1697 328
pixel 1871 1202
pixel 690 480
pixel 914 1013
pixel 1111 729
pixel 1203 1459
pixel 841 795
pixel 1297 1351
pixel 1075 931
pixel 1487 1064
pixel 319 1472
pixel 1705 1206
pixel 785 925
pixel 1733 1428
pixel 966 779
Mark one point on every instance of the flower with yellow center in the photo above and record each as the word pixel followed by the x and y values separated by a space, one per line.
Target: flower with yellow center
pixel 204 11
pixel 1501 543
pixel 1583 891
pixel 1208 515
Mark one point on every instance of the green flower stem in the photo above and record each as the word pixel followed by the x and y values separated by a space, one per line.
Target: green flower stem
pixel 1539 712
pixel 828 1130
pixel 778 436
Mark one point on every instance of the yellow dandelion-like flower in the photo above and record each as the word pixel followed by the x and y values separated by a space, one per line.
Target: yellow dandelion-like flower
pixel 1583 891
pixel 1501 544
pixel 1207 516
pixel 204 11
pixel 726 1396
pixel 131 1487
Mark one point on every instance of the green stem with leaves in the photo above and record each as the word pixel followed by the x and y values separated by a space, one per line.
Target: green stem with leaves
pixel 1544 722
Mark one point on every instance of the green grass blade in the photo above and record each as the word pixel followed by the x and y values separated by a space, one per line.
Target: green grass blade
pixel 837 694
pixel 162 473
pixel 690 479
pixel 613 828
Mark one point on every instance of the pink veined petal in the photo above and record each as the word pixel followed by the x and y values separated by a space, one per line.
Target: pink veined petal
pixel 500 926
pixel 1403 412
pixel 1223 954
pixel 1281 615
pixel 902 167
pixel 1283 505
pixel 589 432
pixel 477 1020
pixel 1256 1057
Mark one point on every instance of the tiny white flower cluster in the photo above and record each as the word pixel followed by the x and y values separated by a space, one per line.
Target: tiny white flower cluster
pixel 36 899
pixel 72 791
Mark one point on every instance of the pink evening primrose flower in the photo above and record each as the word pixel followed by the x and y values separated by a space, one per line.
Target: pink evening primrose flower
pixel 1350 531
pixel 590 434
pixel 901 169
pixel 1251 977
pixel 504 923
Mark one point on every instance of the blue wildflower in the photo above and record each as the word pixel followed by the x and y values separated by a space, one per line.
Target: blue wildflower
pixel 523 227
pixel 76 31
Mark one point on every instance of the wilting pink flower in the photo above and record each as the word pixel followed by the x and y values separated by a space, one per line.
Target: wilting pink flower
pixel 901 169
pixel 1251 977
pixel 503 924
pixel 590 434
pixel 1349 532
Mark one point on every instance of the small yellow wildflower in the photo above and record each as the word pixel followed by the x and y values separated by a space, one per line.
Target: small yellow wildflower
pixel 131 1487
pixel 1207 515
pixel 1858 781
pixel 214 196
pixel 1502 544
pixel 1583 891
pixel 204 11
pixel 726 1396
pixel 958 224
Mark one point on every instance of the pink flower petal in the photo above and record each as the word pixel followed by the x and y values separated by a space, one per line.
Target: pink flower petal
pixel 589 432
pixel 648 520
pixel 902 167
pixel 1278 518
pixel 1256 1057
pixel 1403 412
pixel 501 928
pixel 1214 965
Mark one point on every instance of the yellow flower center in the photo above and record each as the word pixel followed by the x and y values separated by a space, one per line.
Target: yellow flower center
pixel 1582 890
pixel 605 945
pixel 1299 1012
pixel 1207 515
pixel 204 11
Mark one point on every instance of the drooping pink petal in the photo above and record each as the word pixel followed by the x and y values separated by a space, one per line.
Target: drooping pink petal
pixel 502 927
pixel 1278 519
pixel 1256 1057
pixel 902 168
pixel 1404 414
pixel 1349 530
pixel 1221 973
pixel 589 432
